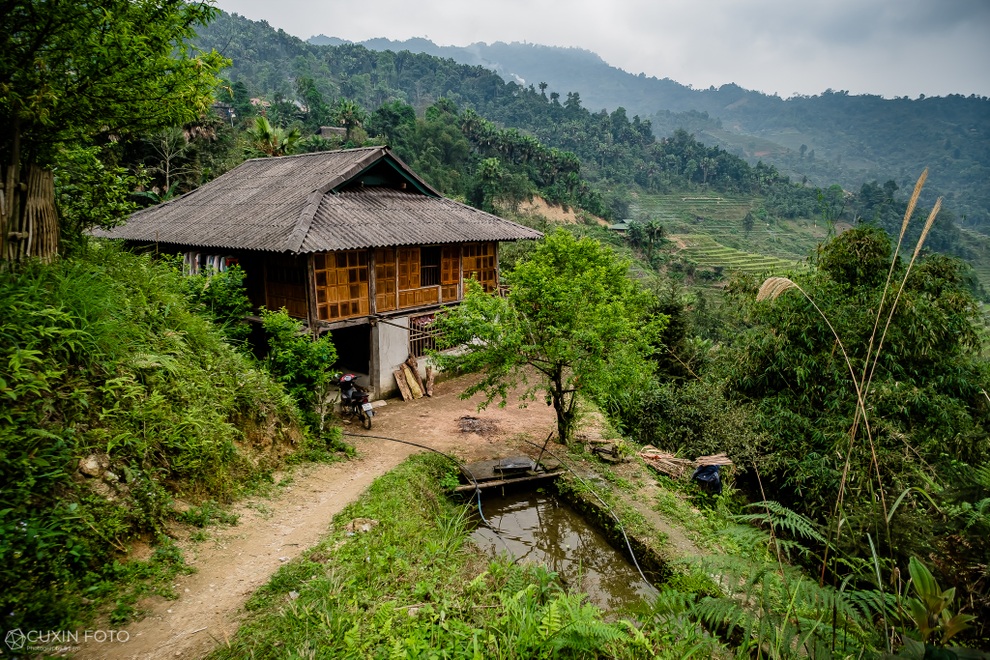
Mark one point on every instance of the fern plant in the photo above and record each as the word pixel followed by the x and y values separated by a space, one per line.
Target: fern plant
pixel 771 609
pixel 782 523
pixel 969 502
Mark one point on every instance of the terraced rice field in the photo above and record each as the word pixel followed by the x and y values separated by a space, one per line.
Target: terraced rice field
pixel 704 250
pixel 981 258
pixel 710 232
pixel 718 212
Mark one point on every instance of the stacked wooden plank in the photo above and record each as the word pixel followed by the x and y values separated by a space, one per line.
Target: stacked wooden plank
pixel 411 385
pixel 675 467
pixel 716 459
pixel 664 462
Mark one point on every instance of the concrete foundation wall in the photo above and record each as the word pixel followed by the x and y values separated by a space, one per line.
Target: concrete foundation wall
pixel 389 349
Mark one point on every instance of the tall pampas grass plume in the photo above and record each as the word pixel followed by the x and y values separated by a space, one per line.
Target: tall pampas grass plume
pixel 773 287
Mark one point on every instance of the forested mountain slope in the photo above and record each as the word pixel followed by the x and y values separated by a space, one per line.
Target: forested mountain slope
pixel 618 153
pixel 847 139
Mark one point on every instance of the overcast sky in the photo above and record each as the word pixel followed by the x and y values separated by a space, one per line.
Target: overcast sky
pixel 886 47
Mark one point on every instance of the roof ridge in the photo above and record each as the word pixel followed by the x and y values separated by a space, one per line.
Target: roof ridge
pixel 313 154
pixel 305 220
pixel 290 207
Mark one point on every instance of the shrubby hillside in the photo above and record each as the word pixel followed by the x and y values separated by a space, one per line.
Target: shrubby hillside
pixel 620 151
pixel 118 398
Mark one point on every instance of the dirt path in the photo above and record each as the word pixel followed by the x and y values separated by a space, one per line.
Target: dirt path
pixel 238 560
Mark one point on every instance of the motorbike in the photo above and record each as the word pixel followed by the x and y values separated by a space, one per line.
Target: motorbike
pixel 354 400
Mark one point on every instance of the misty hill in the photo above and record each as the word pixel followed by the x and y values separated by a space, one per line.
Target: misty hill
pixel 601 85
pixel 846 138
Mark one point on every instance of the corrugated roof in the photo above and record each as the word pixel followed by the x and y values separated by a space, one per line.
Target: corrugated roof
pixel 378 217
pixel 315 203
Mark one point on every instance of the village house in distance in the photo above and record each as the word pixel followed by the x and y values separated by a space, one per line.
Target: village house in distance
pixel 352 242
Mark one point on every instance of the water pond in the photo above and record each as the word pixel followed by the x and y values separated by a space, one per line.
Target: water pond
pixel 537 527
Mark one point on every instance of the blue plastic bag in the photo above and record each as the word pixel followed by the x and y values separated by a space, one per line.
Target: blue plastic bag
pixel 708 478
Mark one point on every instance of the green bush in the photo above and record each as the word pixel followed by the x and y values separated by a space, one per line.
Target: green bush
pixel 207 513
pixel 695 419
pixel 302 364
pixel 115 397
pixel 221 298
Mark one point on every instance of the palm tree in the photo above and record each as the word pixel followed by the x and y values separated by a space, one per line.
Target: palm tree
pixel 158 195
pixel 272 141
pixel 350 115
pixel 491 175
pixel 655 233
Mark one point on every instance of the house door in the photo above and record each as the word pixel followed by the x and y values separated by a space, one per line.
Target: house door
pixel 353 346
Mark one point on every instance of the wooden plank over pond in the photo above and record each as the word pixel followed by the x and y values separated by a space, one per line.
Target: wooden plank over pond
pixel 507 471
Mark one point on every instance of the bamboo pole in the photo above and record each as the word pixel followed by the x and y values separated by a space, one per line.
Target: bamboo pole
pixel 3 221
pixel 414 368
pixel 414 387
pixel 40 217
pixel 12 195
pixel 28 219
pixel 430 376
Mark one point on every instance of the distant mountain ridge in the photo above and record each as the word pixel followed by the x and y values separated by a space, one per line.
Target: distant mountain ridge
pixel 826 138
pixel 564 69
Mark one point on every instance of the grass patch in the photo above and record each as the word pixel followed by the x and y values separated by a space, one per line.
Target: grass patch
pixel 208 513
pixel 123 583
pixel 264 510
pixel 414 587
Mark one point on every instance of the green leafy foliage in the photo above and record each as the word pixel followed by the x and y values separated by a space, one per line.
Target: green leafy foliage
pixel 79 74
pixel 207 513
pixel 268 140
pixel 104 368
pixel 929 608
pixel 221 298
pixel 350 115
pixel 925 394
pixel 302 364
pixel 572 314
pixel 770 608
pixel 789 530
pixel 696 418
pixel 776 393
pixel 111 68
pixel 179 158
pixel 89 193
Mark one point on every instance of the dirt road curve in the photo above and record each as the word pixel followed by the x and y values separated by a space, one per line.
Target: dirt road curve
pixel 237 560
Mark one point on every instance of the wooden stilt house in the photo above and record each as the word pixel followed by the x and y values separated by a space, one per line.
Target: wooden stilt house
pixel 352 242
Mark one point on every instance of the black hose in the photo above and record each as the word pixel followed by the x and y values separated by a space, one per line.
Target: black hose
pixel 477 489
pixel 462 466
pixel 604 504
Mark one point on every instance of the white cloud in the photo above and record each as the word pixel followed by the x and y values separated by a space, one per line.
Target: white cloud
pixel 887 47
